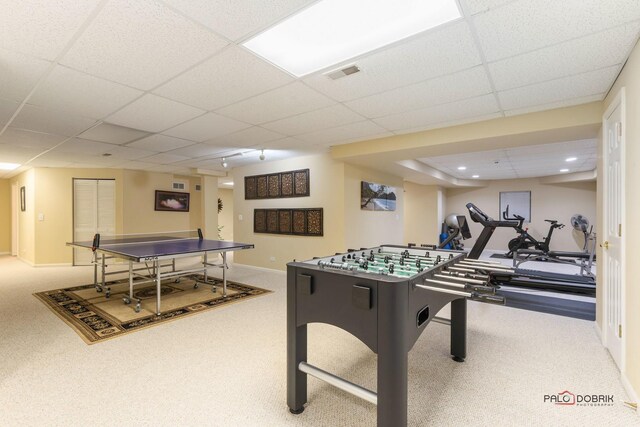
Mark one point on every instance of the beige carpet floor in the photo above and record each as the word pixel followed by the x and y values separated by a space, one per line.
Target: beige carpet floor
pixel 226 367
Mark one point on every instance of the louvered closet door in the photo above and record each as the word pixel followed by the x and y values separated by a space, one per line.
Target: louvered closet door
pixel 94 211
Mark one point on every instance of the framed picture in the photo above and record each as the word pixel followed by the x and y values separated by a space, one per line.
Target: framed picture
pixel 377 197
pixel 519 203
pixel 172 201
pixel 23 201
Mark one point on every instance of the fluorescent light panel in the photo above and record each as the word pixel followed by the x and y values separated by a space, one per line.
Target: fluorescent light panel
pixel 9 166
pixel 333 31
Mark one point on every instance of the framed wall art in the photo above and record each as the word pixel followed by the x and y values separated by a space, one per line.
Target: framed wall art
pixel 303 221
pixel 277 185
pixel 171 201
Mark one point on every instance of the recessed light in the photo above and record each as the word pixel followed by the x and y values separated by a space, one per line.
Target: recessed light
pixel 9 166
pixel 564 170
pixel 475 176
pixel 462 168
pixel 304 43
pixel 571 159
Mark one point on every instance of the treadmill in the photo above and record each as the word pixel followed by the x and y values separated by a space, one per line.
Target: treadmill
pixel 572 283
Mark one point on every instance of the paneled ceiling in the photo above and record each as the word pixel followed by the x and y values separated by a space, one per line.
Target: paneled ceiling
pixel 519 162
pixel 167 86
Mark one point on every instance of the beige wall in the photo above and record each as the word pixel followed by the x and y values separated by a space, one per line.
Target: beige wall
pixel 49 192
pixel 5 216
pixel 548 201
pixel 630 80
pixel 370 228
pixel 326 191
pixel 54 199
pixel 26 219
pixel 421 224
pixel 225 217
pixel 138 201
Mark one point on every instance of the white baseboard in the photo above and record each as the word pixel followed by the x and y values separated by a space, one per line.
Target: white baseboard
pixel 598 331
pixel 61 264
pixel 5 253
pixel 633 396
pixel 270 270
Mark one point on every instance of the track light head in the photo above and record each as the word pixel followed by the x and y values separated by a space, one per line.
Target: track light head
pixel 224 163
pixel 262 155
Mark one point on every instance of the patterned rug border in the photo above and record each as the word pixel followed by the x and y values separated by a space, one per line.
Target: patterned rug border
pixel 95 315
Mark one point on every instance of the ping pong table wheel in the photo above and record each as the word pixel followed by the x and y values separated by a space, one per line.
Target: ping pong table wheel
pixel 98 289
pixel 137 309
pixel 196 285
pixel 126 300
pixel 108 293
pixel 214 289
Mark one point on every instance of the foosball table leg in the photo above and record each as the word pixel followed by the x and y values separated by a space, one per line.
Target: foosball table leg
pixel 296 353
pixel 459 329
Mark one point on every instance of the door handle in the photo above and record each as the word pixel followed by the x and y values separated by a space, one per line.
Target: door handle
pixel 605 244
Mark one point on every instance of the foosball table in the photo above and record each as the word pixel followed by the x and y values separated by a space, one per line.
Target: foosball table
pixel 385 296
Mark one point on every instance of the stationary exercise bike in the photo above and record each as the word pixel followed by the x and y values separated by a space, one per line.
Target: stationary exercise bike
pixel 526 240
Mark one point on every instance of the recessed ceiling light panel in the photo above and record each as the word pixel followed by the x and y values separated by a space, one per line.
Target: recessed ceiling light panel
pixel 9 166
pixel 564 170
pixel 475 176
pixel 571 159
pixel 333 31
pixel 462 168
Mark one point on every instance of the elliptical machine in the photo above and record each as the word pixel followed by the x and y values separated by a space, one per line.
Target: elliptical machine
pixel 526 240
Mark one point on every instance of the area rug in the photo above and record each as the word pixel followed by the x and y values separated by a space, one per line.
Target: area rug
pixel 97 318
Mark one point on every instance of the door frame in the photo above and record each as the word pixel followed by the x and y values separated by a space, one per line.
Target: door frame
pixel 15 218
pixel 618 100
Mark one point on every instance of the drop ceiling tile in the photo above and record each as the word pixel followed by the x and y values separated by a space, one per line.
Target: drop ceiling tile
pixel 478 6
pixel 208 126
pixel 152 113
pixel 439 52
pixel 84 147
pixel 441 90
pixel 140 43
pixel 138 165
pixel 553 105
pixel 350 131
pixel 12 154
pixel 250 137
pixel 335 115
pixel 230 76
pixel 573 57
pixel 113 134
pixel 27 139
pixel 295 98
pixel 41 28
pixel 7 109
pixel 454 111
pixel 19 74
pixel 586 84
pixel 160 143
pixel 79 93
pixel 51 121
pixel 517 27
pixel 227 18
pixel 39 162
pixel 196 150
pixel 164 158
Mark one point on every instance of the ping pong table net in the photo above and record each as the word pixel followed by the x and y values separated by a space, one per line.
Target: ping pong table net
pixel 137 238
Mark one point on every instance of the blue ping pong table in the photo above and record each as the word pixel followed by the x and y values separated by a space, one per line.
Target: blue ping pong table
pixel 159 254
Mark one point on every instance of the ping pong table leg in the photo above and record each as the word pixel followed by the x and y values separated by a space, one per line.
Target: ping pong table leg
pixel 158 286
pixel 95 272
pixel 224 274
pixel 204 267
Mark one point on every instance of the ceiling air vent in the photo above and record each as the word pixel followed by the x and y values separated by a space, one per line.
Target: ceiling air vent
pixel 344 72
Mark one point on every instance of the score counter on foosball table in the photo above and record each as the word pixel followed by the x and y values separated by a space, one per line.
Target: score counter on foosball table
pixel 385 296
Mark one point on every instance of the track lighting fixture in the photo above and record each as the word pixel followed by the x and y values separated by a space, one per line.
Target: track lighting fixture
pixel 262 155
pixel 224 163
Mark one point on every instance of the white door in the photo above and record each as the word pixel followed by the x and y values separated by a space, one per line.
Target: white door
pixel 94 211
pixel 612 241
